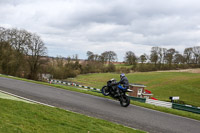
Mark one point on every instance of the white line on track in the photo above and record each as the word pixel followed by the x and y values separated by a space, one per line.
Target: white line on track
pixel 26 99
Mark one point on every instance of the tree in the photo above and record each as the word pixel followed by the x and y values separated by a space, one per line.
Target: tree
pixel 188 55
pixel 93 57
pixel 130 58
pixel 7 58
pixel 170 56
pixel 2 34
pixel 109 56
pixel 143 58
pixel 196 52
pixel 178 58
pixel 154 55
pixel 18 39
pixel 76 64
pixel 90 55
pixel 34 51
pixel 103 57
pixel 162 54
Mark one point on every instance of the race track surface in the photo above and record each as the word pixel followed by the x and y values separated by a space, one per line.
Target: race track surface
pixel 132 116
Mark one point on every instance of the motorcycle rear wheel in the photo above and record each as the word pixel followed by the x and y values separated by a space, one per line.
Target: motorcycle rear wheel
pixel 105 91
pixel 124 101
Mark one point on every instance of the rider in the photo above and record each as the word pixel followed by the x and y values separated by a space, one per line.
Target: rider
pixel 124 81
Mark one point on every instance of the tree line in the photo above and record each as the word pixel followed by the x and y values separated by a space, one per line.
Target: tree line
pixel 62 68
pixel 164 59
pixel 24 54
pixel 159 59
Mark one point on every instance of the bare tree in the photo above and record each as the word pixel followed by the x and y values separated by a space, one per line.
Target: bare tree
pixel 2 34
pixel 109 56
pixel 154 55
pixel 7 58
pixel 178 59
pixel 143 58
pixel 196 52
pixel 188 55
pixel 130 58
pixel 34 51
pixel 90 55
pixel 170 56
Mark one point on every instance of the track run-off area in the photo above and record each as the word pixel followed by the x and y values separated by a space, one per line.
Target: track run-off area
pixel 132 116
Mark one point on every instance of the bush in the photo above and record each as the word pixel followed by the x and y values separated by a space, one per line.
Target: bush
pixel 111 68
pixel 123 70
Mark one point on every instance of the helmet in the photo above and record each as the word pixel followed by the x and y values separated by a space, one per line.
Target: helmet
pixel 122 75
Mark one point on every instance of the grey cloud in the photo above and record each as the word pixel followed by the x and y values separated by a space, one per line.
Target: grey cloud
pixel 97 24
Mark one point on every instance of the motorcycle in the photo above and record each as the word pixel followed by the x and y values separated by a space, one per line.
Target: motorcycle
pixel 111 90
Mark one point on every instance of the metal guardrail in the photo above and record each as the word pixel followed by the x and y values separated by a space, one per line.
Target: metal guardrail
pixel 186 108
pixel 143 100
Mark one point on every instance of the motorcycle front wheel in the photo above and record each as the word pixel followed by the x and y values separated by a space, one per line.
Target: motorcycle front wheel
pixel 105 91
pixel 124 101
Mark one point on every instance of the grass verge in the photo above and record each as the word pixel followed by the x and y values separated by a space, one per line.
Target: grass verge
pixel 18 116
pixel 162 109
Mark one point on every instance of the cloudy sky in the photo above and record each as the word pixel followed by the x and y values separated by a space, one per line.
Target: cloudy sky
pixel 71 27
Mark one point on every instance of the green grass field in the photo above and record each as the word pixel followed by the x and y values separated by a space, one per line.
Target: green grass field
pixel 20 117
pixel 162 84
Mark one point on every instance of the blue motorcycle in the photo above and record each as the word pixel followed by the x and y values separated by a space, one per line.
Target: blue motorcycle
pixel 111 90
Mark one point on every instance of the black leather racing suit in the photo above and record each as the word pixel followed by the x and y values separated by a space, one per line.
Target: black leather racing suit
pixel 125 82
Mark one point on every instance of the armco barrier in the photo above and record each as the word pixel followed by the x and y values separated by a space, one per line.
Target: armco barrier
pixel 186 108
pixel 74 84
pixel 143 100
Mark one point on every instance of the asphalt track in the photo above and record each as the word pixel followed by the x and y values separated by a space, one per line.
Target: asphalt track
pixel 132 116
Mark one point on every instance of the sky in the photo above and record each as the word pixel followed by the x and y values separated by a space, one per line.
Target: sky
pixel 70 27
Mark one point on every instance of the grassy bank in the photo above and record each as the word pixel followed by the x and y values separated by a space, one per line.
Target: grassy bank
pixel 162 84
pixel 28 118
